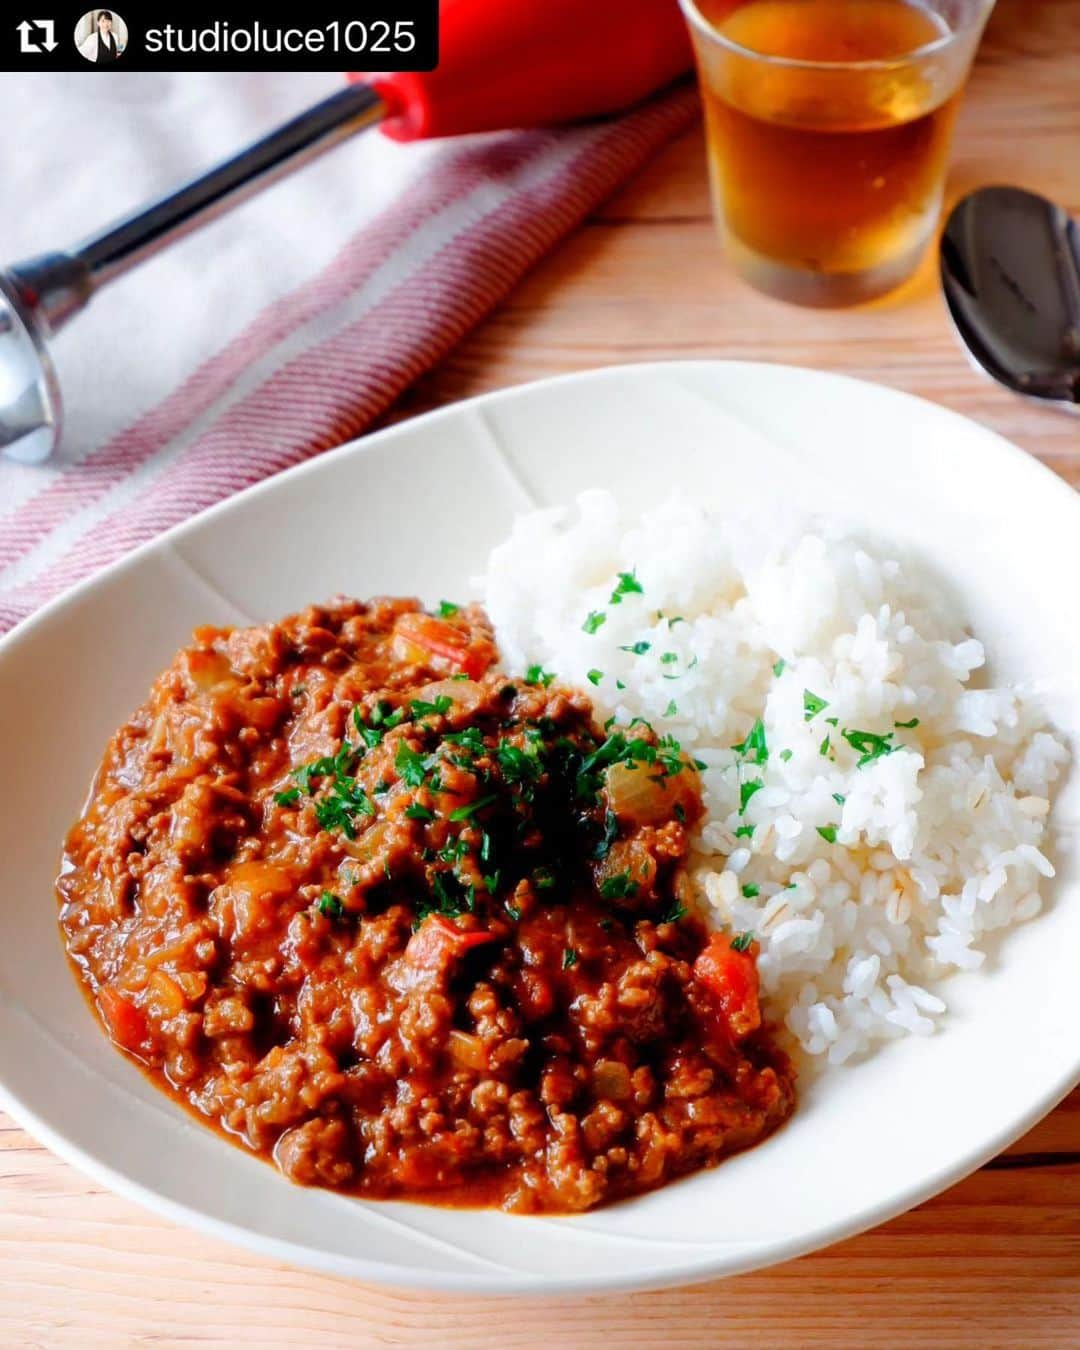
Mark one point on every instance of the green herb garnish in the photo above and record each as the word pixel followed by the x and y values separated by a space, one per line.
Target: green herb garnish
pixel 869 745
pixel 447 609
pixel 812 705
pixel 746 791
pixel 595 621
pixel 409 765
pixel 637 648
pixel 907 726
pixel 778 668
pixel 569 958
pixel 755 748
pixel 417 812
pixel 828 833
pixel 751 892
pixel 331 906
pixel 742 942
pixel 595 676
pixel 287 798
pixel 467 812
pixel 628 584
pixel 619 887
pixel 537 675
pixel 439 708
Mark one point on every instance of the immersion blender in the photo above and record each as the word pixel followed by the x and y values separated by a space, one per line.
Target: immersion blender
pixel 503 63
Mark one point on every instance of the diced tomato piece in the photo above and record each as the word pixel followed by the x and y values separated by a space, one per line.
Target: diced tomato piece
pixel 432 642
pixel 438 942
pixel 126 1023
pixel 731 979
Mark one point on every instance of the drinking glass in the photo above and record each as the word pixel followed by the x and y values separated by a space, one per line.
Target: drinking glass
pixel 829 124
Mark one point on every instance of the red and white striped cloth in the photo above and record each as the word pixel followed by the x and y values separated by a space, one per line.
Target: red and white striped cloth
pixel 318 364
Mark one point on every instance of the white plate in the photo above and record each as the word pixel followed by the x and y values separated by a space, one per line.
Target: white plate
pixel 414 509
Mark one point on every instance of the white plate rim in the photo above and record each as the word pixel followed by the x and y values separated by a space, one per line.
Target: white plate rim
pixel 690 1271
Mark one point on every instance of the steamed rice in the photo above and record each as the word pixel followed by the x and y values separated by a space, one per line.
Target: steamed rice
pixel 868 864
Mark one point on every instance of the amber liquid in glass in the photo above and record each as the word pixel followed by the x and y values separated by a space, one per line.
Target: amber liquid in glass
pixel 828 181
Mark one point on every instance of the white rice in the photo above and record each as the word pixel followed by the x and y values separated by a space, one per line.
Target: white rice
pixel 937 844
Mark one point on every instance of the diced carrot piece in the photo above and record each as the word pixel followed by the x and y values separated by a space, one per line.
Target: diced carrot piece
pixel 425 640
pixel 125 1022
pixel 731 978
pixel 438 942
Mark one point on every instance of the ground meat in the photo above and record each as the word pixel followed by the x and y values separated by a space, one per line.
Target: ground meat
pixel 383 915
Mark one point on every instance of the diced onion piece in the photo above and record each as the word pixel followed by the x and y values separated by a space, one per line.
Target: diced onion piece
pixel 640 794
pixel 208 669
pixel 164 997
pixel 467 1051
pixel 611 1080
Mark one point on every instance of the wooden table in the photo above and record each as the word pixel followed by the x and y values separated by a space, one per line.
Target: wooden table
pixel 993 1262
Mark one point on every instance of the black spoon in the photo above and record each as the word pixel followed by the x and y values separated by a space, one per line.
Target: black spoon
pixel 1010 269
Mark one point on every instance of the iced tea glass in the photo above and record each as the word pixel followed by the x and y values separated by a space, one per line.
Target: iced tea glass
pixel 829 124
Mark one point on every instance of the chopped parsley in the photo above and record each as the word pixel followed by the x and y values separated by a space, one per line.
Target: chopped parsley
pixel 637 648
pixel 618 887
pixel 467 812
pixel 409 765
pixel 870 746
pixel 594 622
pixel 417 812
pixel 628 584
pixel 668 657
pixel 673 913
pixel 812 705
pixel 746 791
pixel 338 809
pixel 671 709
pixel 611 833
pixel 447 609
pixel 907 726
pixel 838 799
pixel 288 798
pixel 450 898
pixel 677 619
pixel 778 668
pixel 742 942
pixel 745 831
pixel 595 676
pixel 755 748
pixel 536 675
pixel 439 708
pixel 518 766
pixel 825 747
pixel 331 906
pixel 513 911
pixel 751 892
pixel 828 833
pixel 785 755
pixel 544 879
pixel 569 958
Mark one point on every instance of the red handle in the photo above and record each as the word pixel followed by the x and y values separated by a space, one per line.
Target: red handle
pixel 520 63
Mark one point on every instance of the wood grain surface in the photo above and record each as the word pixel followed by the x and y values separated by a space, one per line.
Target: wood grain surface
pixel 995 1261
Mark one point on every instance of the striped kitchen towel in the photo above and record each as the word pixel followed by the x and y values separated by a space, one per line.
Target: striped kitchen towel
pixel 303 367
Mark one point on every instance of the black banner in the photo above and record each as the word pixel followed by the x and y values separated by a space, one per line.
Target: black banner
pixel 371 35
